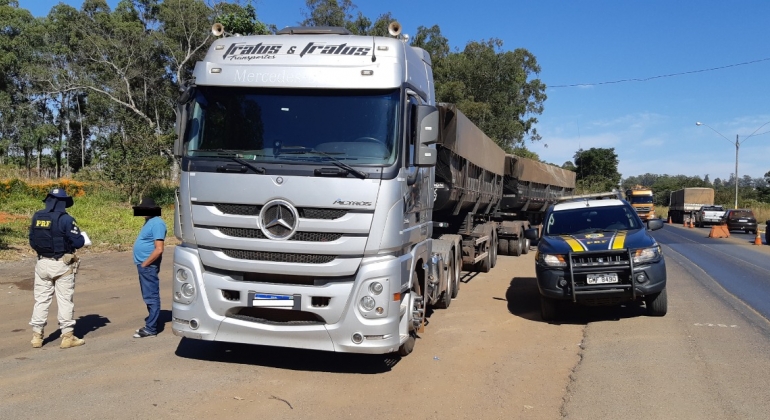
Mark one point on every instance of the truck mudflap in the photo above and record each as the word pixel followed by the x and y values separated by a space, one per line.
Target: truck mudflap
pixel 598 273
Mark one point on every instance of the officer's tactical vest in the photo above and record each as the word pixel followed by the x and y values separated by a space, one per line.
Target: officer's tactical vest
pixel 45 236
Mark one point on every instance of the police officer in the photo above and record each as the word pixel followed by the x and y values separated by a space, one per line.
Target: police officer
pixel 55 236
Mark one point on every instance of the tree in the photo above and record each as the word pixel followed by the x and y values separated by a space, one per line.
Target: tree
pixel 597 168
pixel 569 165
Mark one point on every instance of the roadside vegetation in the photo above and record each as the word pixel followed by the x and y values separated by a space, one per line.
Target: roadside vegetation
pixel 101 209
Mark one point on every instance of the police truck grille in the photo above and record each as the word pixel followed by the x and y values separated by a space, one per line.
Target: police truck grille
pixel 299 236
pixel 279 256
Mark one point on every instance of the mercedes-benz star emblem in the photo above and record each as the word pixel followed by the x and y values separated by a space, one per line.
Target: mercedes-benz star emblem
pixel 278 220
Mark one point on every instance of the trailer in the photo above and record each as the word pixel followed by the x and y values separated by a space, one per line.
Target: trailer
pixel 687 201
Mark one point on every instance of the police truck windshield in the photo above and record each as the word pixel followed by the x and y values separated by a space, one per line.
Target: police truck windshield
pixel 591 219
pixel 300 125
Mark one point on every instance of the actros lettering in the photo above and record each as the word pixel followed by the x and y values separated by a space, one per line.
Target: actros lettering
pixel 341 49
pixel 340 202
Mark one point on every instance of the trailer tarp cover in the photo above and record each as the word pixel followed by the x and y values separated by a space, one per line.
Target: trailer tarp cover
pixel 529 170
pixel 461 136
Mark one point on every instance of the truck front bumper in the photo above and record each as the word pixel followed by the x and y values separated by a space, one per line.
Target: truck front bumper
pixel 214 311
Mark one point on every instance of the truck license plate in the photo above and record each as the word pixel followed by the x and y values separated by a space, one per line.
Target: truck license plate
pixel 272 301
pixel 602 278
pixel 743 220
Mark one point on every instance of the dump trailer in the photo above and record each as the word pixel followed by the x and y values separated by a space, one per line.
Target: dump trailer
pixel 529 188
pixel 687 201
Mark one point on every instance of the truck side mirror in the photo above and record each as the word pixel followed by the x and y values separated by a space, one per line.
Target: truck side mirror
pixel 427 124
pixel 181 129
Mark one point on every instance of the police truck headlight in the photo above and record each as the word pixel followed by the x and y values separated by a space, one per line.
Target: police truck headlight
pixel 646 254
pixel 188 290
pixel 553 260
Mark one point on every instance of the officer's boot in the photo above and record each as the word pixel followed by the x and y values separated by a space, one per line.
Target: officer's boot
pixel 37 339
pixel 69 340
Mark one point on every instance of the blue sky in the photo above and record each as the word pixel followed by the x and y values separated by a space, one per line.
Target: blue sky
pixel 651 124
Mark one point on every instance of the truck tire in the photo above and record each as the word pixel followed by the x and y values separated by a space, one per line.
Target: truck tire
pixel 548 308
pixel 446 296
pixel 493 250
pixel 657 304
pixel 514 247
pixel 407 347
pixel 484 265
pixel 502 246
pixel 458 270
pixel 525 248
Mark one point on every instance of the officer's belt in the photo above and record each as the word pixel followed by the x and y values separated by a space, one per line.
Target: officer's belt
pixel 43 257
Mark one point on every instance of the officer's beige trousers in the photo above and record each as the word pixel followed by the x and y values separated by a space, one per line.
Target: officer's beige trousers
pixel 53 276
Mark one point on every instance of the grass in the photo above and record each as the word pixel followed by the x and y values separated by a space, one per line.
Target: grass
pixel 101 212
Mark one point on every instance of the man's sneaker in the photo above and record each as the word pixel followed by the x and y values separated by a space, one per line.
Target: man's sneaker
pixel 142 333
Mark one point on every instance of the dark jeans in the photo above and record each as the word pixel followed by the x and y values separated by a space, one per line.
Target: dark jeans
pixel 150 284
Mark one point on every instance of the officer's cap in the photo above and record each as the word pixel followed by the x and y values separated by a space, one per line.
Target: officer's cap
pixel 60 194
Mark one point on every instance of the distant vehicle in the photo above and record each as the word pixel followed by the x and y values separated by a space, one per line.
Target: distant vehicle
pixel 709 215
pixel 641 200
pixel 741 219
pixel 596 251
pixel 685 203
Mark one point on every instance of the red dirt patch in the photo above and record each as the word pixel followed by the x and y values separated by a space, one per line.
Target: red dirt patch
pixel 8 217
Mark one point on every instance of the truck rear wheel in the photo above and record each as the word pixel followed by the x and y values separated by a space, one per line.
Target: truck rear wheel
pixel 525 248
pixel 457 271
pixel 485 265
pixel 502 246
pixel 493 250
pixel 514 247
pixel 446 296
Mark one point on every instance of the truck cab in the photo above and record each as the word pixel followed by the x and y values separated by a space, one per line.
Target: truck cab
pixel 641 199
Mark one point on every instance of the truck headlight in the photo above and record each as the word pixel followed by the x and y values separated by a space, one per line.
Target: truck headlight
pixel 646 254
pixel 553 260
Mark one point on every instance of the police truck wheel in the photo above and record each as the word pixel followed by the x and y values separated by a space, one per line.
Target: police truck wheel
pixel 657 304
pixel 548 308
pixel 502 246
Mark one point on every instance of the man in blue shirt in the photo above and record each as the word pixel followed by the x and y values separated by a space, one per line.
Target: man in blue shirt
pixel 148 253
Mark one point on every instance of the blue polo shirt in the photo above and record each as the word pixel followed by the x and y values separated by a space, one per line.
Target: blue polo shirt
pixel 153 229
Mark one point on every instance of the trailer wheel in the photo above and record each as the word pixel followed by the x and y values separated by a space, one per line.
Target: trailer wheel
pixel 493 250
pixel 525 248
pixel 514 247
pixel 502 246
pixel 484 266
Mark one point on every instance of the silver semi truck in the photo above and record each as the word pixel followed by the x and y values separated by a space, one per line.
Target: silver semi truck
pixel 326 200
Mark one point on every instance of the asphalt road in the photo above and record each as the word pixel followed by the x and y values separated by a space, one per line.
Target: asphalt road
pixel 488 356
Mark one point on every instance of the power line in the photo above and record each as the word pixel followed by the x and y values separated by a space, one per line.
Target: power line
pixel 663 75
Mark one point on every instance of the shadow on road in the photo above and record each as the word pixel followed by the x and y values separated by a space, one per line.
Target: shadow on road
pixel 163 319
pixel 83 326
pixel 524 301
pixel 286 358
pixel 467 276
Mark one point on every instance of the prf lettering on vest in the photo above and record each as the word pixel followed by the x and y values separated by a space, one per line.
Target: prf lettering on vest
pixel 43 223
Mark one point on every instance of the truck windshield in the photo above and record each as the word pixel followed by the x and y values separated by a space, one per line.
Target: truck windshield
pixel 641 199
pixel 298 125
pixel 591 219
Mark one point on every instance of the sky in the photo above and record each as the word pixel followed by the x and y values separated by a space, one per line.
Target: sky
pixel 646 72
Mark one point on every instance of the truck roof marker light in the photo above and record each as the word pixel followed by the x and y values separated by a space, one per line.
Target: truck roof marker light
pixel 367 72
pixel 216 70
pixel 382 48
pixel 220 47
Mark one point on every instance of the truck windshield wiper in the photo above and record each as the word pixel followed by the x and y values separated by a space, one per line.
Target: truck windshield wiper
pixel 233 155
pixel 300 150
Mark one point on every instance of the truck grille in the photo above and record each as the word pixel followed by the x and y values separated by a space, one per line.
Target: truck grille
pixel 643 209
pixel 305 213
pixel 299 236
pixel 279 256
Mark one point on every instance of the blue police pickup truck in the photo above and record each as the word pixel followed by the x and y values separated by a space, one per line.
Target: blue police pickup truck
pixel 595 250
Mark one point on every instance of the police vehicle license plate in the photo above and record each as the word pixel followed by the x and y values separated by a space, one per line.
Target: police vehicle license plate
pixel 602 278
pixel 272 301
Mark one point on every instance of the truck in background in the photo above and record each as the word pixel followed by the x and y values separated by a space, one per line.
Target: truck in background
pixel 686 202
pixel 641 199
pixel 326 201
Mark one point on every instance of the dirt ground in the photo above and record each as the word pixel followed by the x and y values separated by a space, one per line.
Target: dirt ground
pixel 488 356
